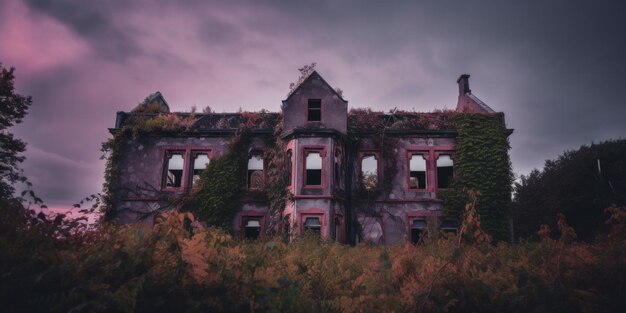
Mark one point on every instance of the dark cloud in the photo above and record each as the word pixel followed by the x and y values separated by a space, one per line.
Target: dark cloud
pixel 555 68
pixel 94 21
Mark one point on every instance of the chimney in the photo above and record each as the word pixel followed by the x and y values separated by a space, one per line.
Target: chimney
pixel 463 82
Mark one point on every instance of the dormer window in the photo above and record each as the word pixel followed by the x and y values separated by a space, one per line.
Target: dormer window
pixel 314 110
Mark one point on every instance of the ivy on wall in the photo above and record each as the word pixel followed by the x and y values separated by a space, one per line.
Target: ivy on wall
pixel 222 185
pixel 113 150
pixel 482 164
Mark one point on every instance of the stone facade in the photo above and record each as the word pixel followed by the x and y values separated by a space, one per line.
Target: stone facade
pixel 330 163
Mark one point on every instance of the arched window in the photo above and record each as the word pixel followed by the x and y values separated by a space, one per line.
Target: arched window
pixel 174 170
pixel 200 163
pixel 417 165
pixel 445 171
pixel 369 171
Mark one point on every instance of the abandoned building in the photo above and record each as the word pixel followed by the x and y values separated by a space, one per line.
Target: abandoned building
pixel 343 184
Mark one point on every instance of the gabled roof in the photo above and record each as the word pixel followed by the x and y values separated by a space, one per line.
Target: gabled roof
pixel 311 76
pixel 153 103
pixel 481 104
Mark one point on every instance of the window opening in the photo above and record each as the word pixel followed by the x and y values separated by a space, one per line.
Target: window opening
pixel 445 171
pixel 337 168
pixel 418 230
pixel 312 224
pixel 252 228
pixel 174 171
pixel 255 172
pixel 289 166
pixel 417 165
pixel 337 230
pixel 369 171
pixel 450 226
pixel 200 163
pixel 313 169
pixel 314 113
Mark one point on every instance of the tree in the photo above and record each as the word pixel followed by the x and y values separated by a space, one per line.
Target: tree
pixel 13 108
pixel 580 184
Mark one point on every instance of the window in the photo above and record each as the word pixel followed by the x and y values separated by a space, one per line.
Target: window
pixel 314 110
pixel 450 226
pixel 312 224
pixel 337 168
pixel 417 168
pixel 175 163
pixel 313 166
pixel 255 171
pixel 251 228
pixel 445 171
pixel 369 171
pixel 418 230
pixel 289 166
pixel 200 163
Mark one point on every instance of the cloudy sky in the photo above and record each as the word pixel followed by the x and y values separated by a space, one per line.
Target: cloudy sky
pixel 556 68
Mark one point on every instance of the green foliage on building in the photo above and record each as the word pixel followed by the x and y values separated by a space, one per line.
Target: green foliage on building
pixel 482 164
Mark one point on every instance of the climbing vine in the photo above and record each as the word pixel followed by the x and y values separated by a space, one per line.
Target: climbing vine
pixel 135 128
pixel 221 185
pixel 482 164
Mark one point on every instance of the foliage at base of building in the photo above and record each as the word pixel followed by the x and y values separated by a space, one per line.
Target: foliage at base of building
pixel 170 267
pixel 482 163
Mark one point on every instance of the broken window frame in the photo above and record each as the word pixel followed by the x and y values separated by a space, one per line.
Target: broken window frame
pixel 166 168
pixel 368 153
pixel 322 153
pixel 252 154
pixel 247 216
pixel 426 157
pixel 314 114
pixel 312 213
pixel 192 163
pixel 423 230
pixel 438 154
pixel 430 153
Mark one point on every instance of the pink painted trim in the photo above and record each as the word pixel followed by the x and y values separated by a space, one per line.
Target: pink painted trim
pixel 311 149
pixel 254 214
pixel 409 155
pixel 431 153
pixel 379 162
pixel 188 154
pixel 319 213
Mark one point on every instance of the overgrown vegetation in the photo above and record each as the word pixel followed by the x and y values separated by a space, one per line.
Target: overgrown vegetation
pixel 170 267
pixel 482 163
pixel 221 186
pixel 579 184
